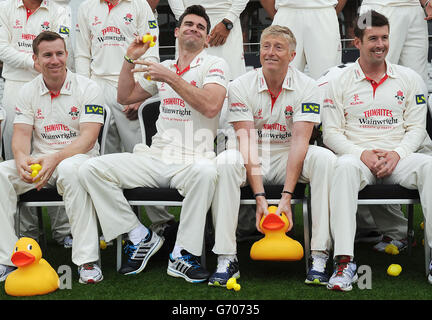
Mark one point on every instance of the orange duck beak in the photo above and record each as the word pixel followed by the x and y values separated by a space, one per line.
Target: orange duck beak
pixel 22 258
pixel 273 222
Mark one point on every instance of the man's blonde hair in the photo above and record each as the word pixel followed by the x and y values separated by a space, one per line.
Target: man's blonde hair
pixel 280 31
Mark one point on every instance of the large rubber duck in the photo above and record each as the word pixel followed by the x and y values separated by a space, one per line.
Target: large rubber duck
pixel 276 245
pixel 34 275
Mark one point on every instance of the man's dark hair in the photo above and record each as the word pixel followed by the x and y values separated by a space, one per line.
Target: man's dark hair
pixel 46 36
pixel 198 11
pixel 369 19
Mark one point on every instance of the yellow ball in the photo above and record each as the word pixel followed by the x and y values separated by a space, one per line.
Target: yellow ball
pixel 102 244
pixel 391 249
pixel 237 287
pixel 148 38
pixel 394 270
pixel 231 283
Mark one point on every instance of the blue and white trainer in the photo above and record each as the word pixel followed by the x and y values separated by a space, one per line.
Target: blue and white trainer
pixel 138 255
pixel 317 274
pixel 344 275
pixel 5 271
pixel 228 267
pixel 188 267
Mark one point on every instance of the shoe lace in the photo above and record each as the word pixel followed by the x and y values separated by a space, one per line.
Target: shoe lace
pixel 88 266
pixel 129 249
pixel 319 264
pixel 192 260
pixel 342 265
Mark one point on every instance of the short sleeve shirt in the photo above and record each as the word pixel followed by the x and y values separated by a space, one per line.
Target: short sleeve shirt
pixel 56 120
pixel 182 130
pixel 250 100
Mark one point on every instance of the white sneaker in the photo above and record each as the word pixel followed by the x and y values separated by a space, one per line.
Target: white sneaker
pixel 90 273
pixel 430 272
pixel 344 275
pixel 5 271
pixel 400 244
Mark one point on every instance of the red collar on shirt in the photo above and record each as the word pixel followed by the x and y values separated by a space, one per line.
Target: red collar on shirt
pixel 273 97
pixel 180 72
pixel 54 94
pixel 110 5
pixel 375 84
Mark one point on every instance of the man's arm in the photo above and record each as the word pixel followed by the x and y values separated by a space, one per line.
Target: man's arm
pixel 89 132
pixel 301 133
pixel 248 147
pixel 21 146
pixel 340 5
pixel 83 44
pixel 177 7
pixel 428 8
pixel 269 7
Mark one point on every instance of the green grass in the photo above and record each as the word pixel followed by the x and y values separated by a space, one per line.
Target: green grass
pixel 259 280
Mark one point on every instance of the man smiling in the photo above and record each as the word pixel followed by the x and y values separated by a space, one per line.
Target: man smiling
pixel 374 120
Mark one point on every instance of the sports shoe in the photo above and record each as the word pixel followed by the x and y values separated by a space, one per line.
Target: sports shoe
pixel 188 267
pixel 138 255
pixel 227 268
pixel 67 242
pixel 400 244
pixel 5 271
pixel 430 272
pixel 89 273
pixel 344 275
pixel 317 272
pixel 368 237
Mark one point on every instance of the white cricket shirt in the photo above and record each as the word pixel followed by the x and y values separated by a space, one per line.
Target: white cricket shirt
pixel 105 32
pixel 273 114
pixel 56 120
pixel 305 4
pixel 360 114
pixel 182 131
pixel 18 29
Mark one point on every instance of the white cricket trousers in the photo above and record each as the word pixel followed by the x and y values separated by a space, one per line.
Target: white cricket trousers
pixel 105 178
pixel 77 202
pixel 408 36
pixel 317 171
pixel 317 34
pixel 59 221
pixel 351 175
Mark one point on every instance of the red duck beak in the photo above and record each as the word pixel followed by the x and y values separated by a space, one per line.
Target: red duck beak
pixel 22 258
pixel 273 222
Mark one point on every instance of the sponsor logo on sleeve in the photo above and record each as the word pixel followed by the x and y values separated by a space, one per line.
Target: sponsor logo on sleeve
pixel 93 109
pixel 420 99
pixel 152 24
pixel 64 30
pixel 310 108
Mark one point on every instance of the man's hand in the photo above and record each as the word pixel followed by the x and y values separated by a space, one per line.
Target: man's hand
pixel 23 168
pixel 131 111
pixel 370 158
pixel 154 70
pixel 137 48
pixel 49 164
pixel 387 162
pixel 285 207
pixel 218 35
pixel 261 210
pixel 428 11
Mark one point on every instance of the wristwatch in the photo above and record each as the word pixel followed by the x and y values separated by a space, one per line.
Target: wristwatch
pixel 228 24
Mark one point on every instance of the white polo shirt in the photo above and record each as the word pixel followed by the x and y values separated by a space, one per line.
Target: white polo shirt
pixel 249 99
pixel 18 29
pixel 360 114
pixel 182 131
pixel 305 3
pixel 2 113
pixel 56 120
pixel 105 32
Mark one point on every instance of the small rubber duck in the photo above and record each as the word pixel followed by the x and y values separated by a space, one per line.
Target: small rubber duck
pixel 276 245
pixel 34 275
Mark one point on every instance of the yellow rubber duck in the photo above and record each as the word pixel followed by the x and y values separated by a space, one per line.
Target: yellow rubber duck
pixel 276 245
pixel 34 275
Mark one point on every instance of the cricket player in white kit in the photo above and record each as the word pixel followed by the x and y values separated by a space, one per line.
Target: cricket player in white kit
pixel 316 28
pixel 409 31
pixel 192 90
pixel 374 120
pixel 273 110
pixel 104 31
pixel 20 22
pixel 226 38
pixel 59 116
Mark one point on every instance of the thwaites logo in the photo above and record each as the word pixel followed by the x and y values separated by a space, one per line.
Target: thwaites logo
pixel 128 18
pixel 74 113
pixel 400 96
